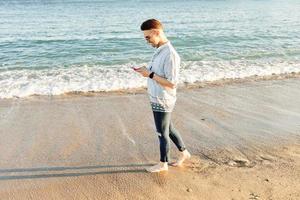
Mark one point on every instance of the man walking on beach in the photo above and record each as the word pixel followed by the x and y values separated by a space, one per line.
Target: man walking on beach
pixel 162 73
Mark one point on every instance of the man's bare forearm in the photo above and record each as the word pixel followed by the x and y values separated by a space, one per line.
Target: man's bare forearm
pixel 160 80
pixel 164 82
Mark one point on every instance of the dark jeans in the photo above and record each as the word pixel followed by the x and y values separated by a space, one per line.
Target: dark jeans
pixel 166 130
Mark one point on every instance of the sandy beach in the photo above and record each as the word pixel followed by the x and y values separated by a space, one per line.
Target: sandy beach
pixel 244 139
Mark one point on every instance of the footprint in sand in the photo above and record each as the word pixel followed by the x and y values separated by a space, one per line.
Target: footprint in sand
pixel 197 165
pixel 240 162
pixel 254 196
pixel 266 159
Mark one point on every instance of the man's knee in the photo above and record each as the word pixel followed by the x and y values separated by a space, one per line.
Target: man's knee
pixel 158 133
pixel 163 135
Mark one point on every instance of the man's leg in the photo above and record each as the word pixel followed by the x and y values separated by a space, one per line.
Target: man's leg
pixel 162 123
pixel 176 138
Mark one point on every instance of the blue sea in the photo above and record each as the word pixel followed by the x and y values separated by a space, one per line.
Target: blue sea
pixel 51 47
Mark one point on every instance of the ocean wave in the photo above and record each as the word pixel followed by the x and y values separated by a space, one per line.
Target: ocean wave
pixel 59 80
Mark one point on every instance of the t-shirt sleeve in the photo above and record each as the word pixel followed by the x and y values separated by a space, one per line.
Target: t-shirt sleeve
pixel 171 68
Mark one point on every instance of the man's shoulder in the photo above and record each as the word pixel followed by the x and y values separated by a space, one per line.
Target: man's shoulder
pixel 170 51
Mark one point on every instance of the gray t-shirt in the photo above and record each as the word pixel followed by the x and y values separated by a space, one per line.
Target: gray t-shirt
pixel 165 63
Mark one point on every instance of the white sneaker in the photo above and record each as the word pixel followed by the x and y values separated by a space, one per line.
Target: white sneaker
pixel 184 155
pixel 161 166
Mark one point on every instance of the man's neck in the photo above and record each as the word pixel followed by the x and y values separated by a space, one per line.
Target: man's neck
pixel 162 42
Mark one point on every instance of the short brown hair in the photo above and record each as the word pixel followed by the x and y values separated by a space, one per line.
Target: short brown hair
pixel 151 24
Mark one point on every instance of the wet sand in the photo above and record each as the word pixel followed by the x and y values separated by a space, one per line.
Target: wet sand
pixel 244 137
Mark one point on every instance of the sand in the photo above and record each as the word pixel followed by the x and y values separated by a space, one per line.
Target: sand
pixel 244 139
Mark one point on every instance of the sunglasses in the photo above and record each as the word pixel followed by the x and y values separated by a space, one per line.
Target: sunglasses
pixel 149 36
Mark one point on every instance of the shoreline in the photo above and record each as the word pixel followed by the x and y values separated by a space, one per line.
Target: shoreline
pixel 182 86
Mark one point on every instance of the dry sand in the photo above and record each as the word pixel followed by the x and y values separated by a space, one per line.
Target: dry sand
pixel 245 141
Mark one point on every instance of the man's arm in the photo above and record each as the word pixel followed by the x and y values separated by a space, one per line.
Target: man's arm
pixel 162 81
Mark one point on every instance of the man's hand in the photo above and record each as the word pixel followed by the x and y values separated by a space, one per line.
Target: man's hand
pixel 143 71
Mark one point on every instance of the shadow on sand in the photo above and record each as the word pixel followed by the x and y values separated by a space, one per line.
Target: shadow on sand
pixel 105 169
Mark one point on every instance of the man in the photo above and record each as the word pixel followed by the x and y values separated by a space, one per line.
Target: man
pixel 162 73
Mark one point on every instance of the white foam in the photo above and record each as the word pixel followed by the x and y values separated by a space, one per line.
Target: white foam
pixel 55 81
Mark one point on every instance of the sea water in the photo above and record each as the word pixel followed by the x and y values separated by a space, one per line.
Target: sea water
pixel 50 47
